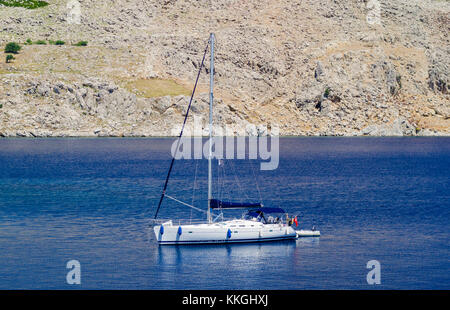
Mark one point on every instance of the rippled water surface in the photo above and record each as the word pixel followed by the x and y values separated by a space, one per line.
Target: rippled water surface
pixel 91 200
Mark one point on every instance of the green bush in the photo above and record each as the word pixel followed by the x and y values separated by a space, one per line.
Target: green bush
pixel 57 42
pixel 9 57
pixel 12 47
pixel 40 42
pixel 81 43
pixel 29 42
pixel 28 4
pixel 1 105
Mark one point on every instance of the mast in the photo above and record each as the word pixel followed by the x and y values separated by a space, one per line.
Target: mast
pixel 211 98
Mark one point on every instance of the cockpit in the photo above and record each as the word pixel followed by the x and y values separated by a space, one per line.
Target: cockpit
pixel 266 215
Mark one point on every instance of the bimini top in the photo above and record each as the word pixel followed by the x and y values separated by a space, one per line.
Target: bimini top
pixel 218 204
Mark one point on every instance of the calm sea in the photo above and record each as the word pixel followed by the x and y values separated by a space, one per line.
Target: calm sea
pixel 385 199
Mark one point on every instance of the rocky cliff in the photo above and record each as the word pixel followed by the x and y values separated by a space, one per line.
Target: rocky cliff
pixel 307 67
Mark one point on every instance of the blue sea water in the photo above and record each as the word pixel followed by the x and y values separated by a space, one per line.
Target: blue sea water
pixel 385 199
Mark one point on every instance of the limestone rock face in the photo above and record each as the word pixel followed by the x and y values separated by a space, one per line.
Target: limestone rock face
pixel 321 67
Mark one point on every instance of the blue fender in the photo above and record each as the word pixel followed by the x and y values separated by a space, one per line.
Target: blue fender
pixel 161 230
pixel 180 231
pixel 228 234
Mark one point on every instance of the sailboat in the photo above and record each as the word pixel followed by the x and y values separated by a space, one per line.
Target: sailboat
pixel 258 224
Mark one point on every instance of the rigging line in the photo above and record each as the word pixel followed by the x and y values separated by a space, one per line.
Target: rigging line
pixel 238 183
pixel 256 181
pixel 222 181
pixel 222 184
pixel 219 189
pixel 181 132
pixel 194 187
pixel 186 204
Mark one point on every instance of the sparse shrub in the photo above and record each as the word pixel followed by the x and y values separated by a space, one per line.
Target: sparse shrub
pixel 9 57
pixel 28 4
pixel 398 78
pixel 57 42
pixel 327 92
pixel 12 47
pixel 81 43
pixel 29 42
pixel 40 42
pixel 1 105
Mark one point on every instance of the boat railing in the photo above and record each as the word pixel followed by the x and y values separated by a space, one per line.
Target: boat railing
pixel 177 222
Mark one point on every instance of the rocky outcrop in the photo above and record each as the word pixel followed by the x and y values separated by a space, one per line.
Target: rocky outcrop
pixel 438 74
pixel 304 67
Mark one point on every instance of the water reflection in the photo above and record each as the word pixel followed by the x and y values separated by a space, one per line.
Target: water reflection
pixel 313 241
pixel 231 254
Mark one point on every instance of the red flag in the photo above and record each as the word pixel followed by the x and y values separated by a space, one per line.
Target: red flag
pixel 295 221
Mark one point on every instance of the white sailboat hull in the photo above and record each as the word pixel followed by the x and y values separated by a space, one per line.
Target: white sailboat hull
pixel 254 227
pixel 223 232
